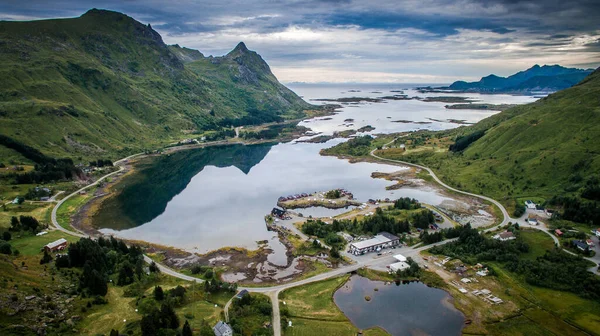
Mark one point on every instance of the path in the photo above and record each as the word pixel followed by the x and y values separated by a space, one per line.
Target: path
pixel 273 292
pixel 505 214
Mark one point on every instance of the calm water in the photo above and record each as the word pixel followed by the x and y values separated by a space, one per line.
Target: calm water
pixel 205 199
pixel 405 309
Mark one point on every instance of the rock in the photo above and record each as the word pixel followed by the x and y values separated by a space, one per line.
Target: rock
pixel 76 318
pixel 30 297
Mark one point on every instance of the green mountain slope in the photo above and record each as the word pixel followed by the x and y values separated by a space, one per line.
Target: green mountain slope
pixel 104 84
pixel 543 149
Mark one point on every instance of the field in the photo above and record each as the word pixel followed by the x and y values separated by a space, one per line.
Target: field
pixel 70 207
pixel 538 241
pixel 31 244
pixel 313 312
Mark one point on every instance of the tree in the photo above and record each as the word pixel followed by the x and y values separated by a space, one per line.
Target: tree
pixel 15 225
pixel 5 247
pixel 148 325
pixel 159 295
pixel 187 330
pixel 114 332
pixel 6 236
pixel 46 258
pixel 154 268
pixel 168 317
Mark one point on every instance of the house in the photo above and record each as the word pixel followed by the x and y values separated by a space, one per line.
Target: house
pixel 58 245
pixel 380 241
pixel 399 266
pixel 597 232
pixel 44 199
pixel 400 257
pixel 590 243
pixel 279 213
pixel 241 294
pixel 580 245
pixel 505 236
pixel 558 233
pixel 532 221
pixel 530 205
pixel 222 329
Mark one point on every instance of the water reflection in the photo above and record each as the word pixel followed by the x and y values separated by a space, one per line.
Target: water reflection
pixel 401 309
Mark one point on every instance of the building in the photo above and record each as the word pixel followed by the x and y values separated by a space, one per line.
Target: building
pixel 580 245
pixel 590 243
pixel 532 221
pixel 400 257
pixel 222 329
pixel 558 232
pixel 241 294
pixel 58 245
pixel 279 213
pixel 530 205
pixel 380 241
pixel 399 266
pixel 505 236
pixel 597 232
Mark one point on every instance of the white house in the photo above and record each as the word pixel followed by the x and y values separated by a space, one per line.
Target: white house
pixel 529 204
pixel 222 329
pixel 399 266
pixel 598 232
pixel 532 221
pixel 400 257
pixel 505 236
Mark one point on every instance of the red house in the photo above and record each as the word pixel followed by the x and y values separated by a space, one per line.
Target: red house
pixel 558 232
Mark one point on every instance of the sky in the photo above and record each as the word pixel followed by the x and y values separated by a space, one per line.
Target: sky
pixel 412 41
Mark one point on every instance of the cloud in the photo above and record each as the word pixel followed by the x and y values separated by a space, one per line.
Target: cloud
pixel 376 40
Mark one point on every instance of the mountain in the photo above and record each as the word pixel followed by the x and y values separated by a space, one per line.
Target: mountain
pixel 104 85
pixel 547 78
pixel 543 149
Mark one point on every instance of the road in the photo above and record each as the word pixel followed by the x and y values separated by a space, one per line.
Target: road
pixel 505 215
pixel 273 292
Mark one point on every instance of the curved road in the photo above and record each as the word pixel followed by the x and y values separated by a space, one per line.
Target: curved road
pixel 273 292
pixel 437 179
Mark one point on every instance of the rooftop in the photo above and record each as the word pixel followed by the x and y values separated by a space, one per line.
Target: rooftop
pixel 56 243
pixel 378 239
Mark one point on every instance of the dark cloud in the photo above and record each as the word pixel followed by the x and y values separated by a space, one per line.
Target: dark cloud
pixel 465 37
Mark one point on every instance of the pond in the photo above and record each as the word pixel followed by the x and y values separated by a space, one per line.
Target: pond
pixel 405 309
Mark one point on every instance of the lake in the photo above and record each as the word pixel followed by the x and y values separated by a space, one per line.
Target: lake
pixel 405 309
pixel 204 199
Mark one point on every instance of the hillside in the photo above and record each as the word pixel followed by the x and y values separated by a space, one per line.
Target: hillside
pixel 547 78
pixel 104 84
pixel 543 149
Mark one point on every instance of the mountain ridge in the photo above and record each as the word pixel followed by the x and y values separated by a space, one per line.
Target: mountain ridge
pixel 104 84
pixel 547 78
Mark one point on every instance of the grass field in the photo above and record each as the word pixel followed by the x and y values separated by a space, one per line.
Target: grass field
pixel 538 242
pixel 70 207
pixel 31 244
pixel 40 211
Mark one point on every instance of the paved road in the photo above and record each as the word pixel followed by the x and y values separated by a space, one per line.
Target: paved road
pixel 273 292
pixel 505 214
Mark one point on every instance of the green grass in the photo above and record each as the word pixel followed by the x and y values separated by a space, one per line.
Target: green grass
pixel 31 244
pixel 112 90
pixel 70 207
pixel 538 241
pixel 314 300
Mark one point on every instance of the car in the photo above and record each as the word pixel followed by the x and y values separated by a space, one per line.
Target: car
pixel 379 253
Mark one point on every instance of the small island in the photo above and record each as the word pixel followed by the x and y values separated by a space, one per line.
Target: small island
pixel 332 199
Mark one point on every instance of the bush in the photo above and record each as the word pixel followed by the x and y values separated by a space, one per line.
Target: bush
pixel 5 247
pixel 6 236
